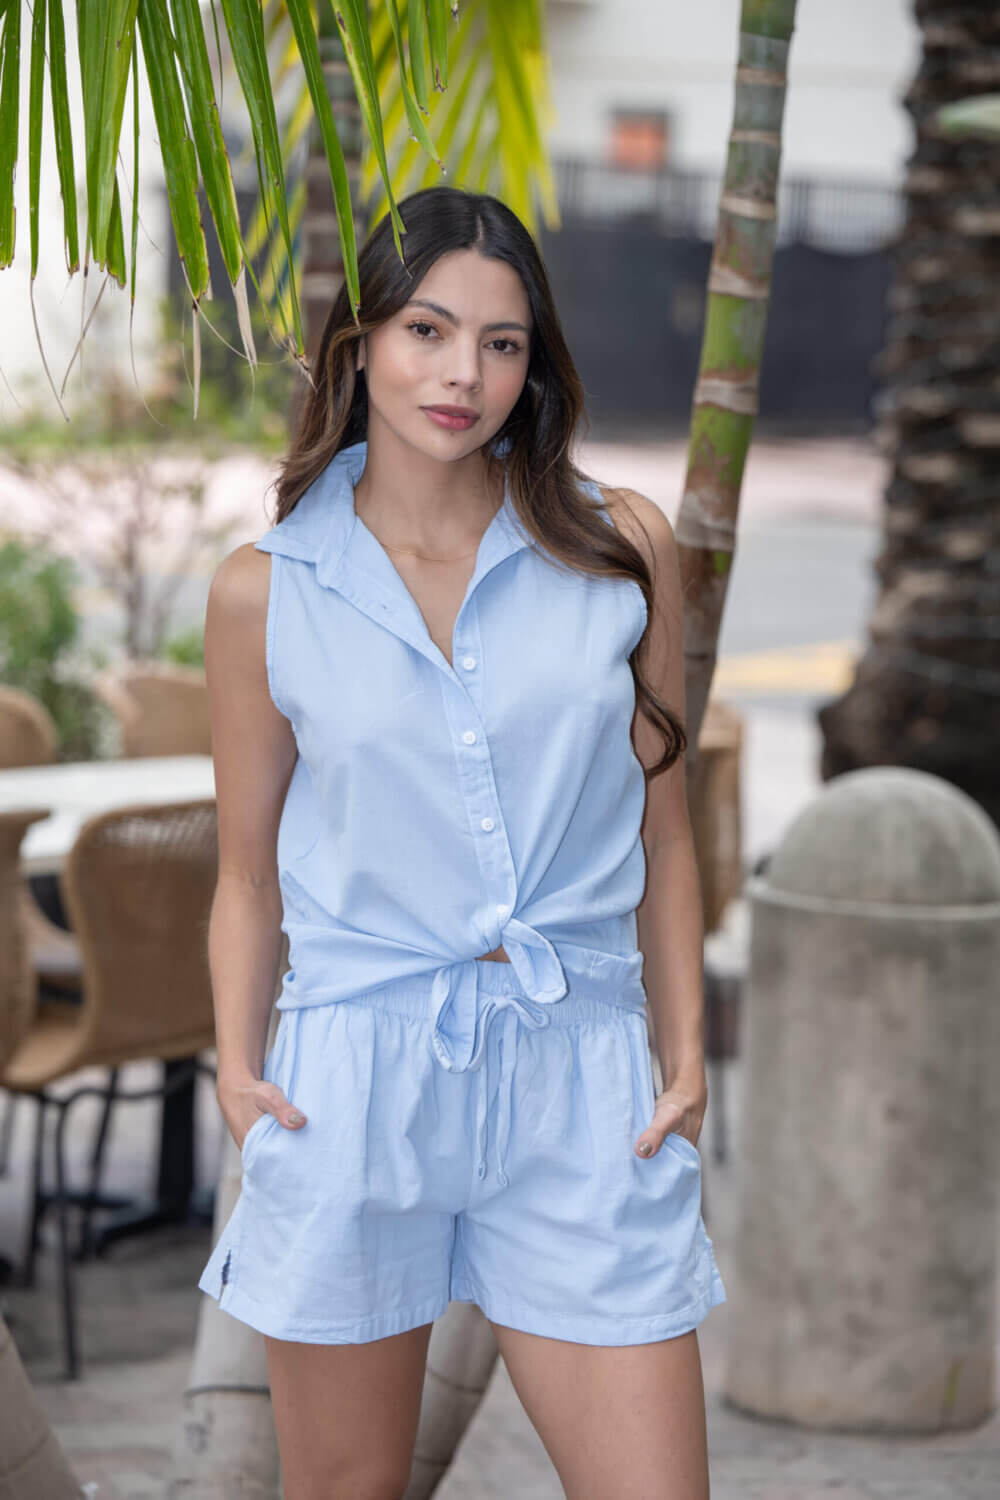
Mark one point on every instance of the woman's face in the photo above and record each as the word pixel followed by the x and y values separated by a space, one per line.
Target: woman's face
pixel 461 341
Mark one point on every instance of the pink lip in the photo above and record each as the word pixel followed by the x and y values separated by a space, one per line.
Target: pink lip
pixel 456 419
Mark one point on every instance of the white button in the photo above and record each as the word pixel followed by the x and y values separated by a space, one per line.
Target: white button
pixel 468 662
pixel 486 825
pixel 469 736
pixel 503 909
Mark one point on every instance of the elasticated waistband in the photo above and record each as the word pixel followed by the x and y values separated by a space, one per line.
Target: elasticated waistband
pixel 586 998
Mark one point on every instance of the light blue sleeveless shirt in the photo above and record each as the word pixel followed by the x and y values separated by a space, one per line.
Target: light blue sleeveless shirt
pixel 438 811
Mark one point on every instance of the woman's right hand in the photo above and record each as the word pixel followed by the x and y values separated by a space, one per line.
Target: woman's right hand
pixel 242 1104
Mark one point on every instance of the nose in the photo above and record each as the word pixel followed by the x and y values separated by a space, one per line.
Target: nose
pixel 464 369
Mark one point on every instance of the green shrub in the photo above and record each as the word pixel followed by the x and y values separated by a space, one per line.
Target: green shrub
pixel 187 648
pixel 39 626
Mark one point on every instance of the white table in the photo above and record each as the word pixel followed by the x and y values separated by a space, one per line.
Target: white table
pixel 77 790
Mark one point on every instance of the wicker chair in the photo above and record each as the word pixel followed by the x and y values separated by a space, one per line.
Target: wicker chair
pixel 27 733
pixel 28 738
pixel 18 983
pixel 161 709
pixel 716 811
pixel 717 825
pixel 138 886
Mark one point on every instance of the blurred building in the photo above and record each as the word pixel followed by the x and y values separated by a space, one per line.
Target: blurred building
pixel 643 92
pixel 651 81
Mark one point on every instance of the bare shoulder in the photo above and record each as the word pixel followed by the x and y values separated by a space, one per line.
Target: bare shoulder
pixel 241 585
pixel 644 523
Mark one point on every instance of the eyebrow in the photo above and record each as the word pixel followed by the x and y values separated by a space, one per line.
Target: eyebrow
pixel 443 312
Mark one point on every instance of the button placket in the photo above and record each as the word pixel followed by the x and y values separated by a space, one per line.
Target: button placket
pixel 462 698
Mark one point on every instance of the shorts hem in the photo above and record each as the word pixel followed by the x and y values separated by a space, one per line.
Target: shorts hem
pixel 309 1331
pixel 586 1328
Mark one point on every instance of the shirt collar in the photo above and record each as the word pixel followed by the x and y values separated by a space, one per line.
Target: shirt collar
pixel 324 527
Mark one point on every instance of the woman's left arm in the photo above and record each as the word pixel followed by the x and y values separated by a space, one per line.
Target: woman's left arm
pixel 669 916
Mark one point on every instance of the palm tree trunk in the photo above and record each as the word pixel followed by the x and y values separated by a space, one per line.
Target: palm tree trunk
pixel 322 258
pixel 226 1444
pixel 725 397
pixel 32 1465
pixel 926 693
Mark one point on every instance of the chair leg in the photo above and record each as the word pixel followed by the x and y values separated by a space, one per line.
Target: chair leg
pixel 37 1199
pixel 67 1289
pixel 90 1202
pixel 7 1132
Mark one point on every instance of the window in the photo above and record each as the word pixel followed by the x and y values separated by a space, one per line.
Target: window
pixel 640 139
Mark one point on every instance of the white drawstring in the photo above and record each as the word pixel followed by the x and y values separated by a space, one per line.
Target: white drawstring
pixel 501 1042
pixel 462 1033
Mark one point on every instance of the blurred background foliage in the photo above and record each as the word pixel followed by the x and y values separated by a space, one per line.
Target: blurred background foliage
pixel 39 646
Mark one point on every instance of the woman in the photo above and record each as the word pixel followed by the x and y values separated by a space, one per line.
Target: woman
pixel 426 681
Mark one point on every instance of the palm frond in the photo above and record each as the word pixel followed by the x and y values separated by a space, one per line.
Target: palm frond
pixel 439 93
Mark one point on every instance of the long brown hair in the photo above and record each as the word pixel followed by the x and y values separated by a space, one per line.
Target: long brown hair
pixel 535 439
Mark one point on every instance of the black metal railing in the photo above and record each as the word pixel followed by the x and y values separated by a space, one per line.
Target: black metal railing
pixel 834 214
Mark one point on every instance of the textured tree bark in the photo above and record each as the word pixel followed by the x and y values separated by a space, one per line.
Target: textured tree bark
pixel 322 258
pixel 32 1465
pixel 725 397
pixel 225 1442
pixel 926 692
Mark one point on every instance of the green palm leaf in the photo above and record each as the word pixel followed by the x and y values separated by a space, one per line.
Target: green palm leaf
pixel 439 92
pixel 10 67
pixel 492 136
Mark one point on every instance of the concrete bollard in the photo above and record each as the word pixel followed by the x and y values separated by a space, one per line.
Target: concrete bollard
pixel 863 1291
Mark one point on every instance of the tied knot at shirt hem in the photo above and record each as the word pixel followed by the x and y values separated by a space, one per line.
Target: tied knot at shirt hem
pixel 457 1038
pixel 462 1031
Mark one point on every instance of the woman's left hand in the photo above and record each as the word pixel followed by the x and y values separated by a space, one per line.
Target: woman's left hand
pixel 678 1110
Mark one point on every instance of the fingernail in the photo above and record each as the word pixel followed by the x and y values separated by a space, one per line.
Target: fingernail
pixel 295 1118
pixel 644 1148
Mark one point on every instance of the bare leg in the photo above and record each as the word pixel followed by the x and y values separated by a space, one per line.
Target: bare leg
pixel 346 1415
pixel 619 1423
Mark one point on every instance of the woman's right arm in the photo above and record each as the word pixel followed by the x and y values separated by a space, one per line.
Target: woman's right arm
pixel 254 752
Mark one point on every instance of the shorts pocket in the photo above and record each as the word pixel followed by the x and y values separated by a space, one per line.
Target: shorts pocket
pixel 682 1144
pixel 277 1066
pixel 253 1135
pixel 643 1059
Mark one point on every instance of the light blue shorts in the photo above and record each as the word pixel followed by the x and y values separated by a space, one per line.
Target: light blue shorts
pixel 513 1183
